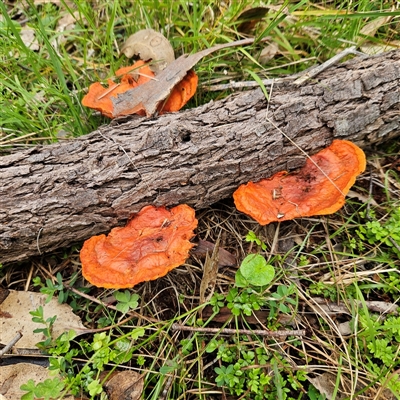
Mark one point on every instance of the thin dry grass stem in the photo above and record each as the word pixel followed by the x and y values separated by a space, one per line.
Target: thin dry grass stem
pixel 236 331
pixel 110 306
pixel 274 244
pixel 321 312
pixel 29 278
pixel 354 276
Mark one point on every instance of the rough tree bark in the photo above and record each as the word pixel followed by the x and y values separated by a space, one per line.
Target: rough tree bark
pixel 56 195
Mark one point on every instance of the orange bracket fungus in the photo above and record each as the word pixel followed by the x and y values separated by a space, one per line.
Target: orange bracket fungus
pixel 153 242
pixel 169 90
pixel 318 188
pixel 99 97
pixel 105 99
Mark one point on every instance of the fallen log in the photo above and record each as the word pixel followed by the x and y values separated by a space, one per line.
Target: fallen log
pixel 54 196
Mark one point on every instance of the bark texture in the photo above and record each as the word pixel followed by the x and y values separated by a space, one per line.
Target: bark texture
pixel 53 196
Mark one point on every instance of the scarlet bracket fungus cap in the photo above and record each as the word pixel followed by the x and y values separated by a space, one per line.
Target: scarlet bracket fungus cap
pixel 153 243
pixel 313 190
pixel 100 98
pixel 104 99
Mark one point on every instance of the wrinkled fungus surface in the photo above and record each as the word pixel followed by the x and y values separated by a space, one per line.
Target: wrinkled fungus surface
pixel 154 242
pixel 318 188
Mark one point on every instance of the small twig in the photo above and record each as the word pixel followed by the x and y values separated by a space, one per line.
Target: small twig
pixel 394 243
pixel 10 344
pixel 300 77
pixel 147 76
pixel 229 331
pixel 95 300
pixel 248 84
pixel 167 386
pixel 37 240
pixel 327 64
pixel 108 91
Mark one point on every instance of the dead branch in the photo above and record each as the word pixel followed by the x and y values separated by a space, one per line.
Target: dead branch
pixel 53 196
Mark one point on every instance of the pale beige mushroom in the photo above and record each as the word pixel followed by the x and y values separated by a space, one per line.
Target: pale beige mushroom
pixel 150 45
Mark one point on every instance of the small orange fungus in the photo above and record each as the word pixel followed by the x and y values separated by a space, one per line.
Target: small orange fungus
pixel 153 242
pixel 318 188
pixel 100 98
pixel 104 99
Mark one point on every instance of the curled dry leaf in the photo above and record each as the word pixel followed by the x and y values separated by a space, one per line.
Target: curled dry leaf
pixel 150 45
pixel 151 95
pixel 154 242
pixel 318 188
pixel 28 36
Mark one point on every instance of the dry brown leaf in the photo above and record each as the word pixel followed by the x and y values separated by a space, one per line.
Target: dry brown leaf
pixel 148 96
pixel 250 18
pixel 325 383
pixel 210 272
pixel 150 45
pixel 67 21
pixel 268 53
pixel 373 48
pixel 15 375
pixel 363 198
pixel 15 317
pixel 345 328
pixel 371 27
pixel 127 385
pixel 28 36
pixel 225 258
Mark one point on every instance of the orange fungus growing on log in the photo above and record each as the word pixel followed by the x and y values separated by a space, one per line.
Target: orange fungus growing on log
pixel 100 98
pixel 104 99
pixel 318 188
pixel 153 242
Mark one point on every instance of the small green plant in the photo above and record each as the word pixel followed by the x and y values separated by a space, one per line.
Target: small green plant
pixel 243 370
pixel 386 233
pixel 49 389
pixel 38 317
pixel 239 376
pixel 236 371
pixel 282 300
pixel 217 301
pixel 99 352
pixel 245 301
pixel 254 271
pixel 322 289
pixel 380 338
pixel 50 289
pixel 126 301
pixel 252 237
pixel 314 394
